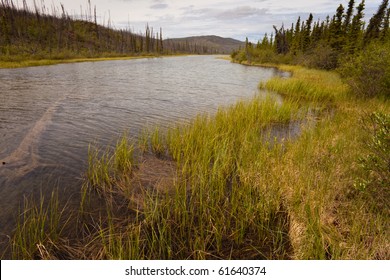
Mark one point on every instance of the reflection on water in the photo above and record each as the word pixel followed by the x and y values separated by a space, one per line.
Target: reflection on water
pixel 49 115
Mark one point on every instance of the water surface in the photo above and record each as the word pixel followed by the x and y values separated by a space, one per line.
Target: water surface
pixel 50 114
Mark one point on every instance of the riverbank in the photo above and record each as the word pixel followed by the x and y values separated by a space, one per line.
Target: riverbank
pixel 45 62
pixel 222 187
pixel 16 62
pixel 20 63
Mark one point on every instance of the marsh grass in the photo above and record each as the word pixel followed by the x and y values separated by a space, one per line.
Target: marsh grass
pixel 39 227
pixel 237 193
pixel 308 85
pixel 215 209
pixel 320 171
pixel 105 167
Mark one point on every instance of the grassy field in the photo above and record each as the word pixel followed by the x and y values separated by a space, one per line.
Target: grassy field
pixel 239 184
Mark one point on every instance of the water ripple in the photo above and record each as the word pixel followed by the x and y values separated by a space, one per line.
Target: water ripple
pixel 49 115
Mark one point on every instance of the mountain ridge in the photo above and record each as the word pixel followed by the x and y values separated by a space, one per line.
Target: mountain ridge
pixel 213 43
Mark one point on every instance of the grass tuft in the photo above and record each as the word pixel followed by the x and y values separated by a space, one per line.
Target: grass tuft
pixel 39 227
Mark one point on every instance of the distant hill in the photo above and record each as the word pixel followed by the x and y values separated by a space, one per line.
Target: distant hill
pixel 29 33
pixel 207 44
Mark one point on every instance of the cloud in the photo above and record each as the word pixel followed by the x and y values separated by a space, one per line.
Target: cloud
pixel 159 6
pixel 227 18
pixel 240 12
pixel 208 14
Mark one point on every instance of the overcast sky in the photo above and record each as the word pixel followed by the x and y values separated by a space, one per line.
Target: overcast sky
pixel 227 18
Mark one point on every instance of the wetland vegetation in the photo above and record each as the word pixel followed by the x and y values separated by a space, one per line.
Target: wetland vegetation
pixel 228 186
pixel 224 189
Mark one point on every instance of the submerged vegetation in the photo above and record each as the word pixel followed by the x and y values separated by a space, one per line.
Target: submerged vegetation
pixel 242 183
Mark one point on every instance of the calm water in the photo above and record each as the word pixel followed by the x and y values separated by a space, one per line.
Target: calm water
pixel 49 115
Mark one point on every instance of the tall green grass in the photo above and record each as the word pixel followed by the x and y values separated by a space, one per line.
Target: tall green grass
pixel 39 227
pixel 240 197
pixel 105 167
pixel 237 193
pixel 216 210
pixel 308 85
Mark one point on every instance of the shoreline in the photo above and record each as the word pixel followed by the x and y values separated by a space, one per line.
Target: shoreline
pixel 215 173
pixel 11 64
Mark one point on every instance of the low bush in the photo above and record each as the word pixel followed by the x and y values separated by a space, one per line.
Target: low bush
pixel 375 163
pixel 320 57
pixel 368 72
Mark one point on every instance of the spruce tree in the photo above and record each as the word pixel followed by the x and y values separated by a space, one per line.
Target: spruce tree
pixel 317 33
pixel 348 15
pixel 265 42
pixel 355 32
pixel 338 40
pixel 161 41
pixel 385 32
pixel 326 29
pixel 374 27
pixel 281 43
pixel 307 32
pixel 296 41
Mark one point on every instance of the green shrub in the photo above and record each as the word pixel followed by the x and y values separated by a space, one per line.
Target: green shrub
pixel 368 72
pixel 320 57
pixel 239 56
pixel 376 162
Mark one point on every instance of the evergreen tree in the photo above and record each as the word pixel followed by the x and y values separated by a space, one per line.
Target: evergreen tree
pixel 306 33
pixel 296 41
pixel 375 25
pixel 289 36
pixel 147 38
pixel 265 42
pixel 161 41
pixel 326 29
pixel 317 33
pixel 297 27
pixel 348 15
pixel 385 32
pixel 337 38
pixel 356 29
pixel 281 43
pixel 258 45
pixel 248 52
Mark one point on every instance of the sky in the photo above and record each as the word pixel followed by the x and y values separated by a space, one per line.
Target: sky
pixel 236 19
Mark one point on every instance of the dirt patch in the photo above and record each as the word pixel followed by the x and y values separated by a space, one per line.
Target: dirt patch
pixel 155 174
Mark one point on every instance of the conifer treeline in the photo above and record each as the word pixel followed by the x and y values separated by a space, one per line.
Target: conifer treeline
pixel 40 33
pixel 322 43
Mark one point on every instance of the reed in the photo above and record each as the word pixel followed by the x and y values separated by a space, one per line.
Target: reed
pixel 105 166
pixel 215 209
pixel 99 169
pixel 157 142
pixel 238 193
pixel 39 227
pixel 124 156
